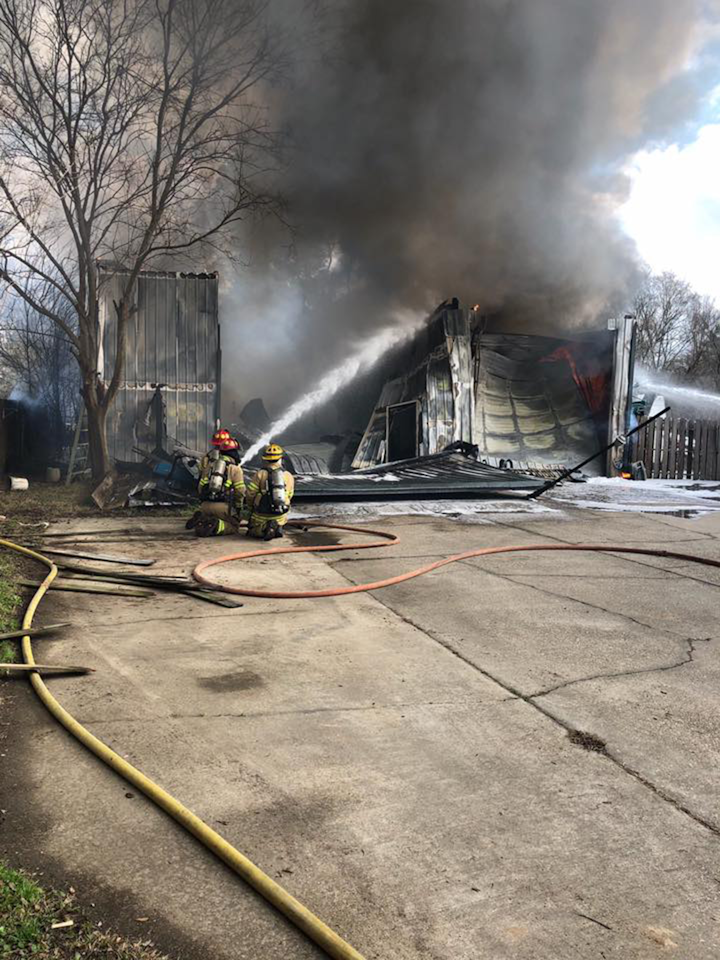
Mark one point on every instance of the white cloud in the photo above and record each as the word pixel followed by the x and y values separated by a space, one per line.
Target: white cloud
pixel 673 212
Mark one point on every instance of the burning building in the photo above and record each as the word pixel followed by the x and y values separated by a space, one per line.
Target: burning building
pixel 459 408
pixel 531 403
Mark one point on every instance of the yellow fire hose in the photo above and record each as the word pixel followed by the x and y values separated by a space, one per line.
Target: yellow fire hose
pixel 329 941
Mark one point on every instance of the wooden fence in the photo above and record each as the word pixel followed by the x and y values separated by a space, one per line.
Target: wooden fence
pixel 679 449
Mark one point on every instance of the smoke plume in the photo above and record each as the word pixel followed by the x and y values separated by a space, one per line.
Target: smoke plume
pixel 471 148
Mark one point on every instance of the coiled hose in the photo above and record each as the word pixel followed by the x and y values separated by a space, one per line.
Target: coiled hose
pixel 390 540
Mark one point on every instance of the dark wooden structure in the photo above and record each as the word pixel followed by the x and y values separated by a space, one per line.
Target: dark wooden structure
pixel 675 448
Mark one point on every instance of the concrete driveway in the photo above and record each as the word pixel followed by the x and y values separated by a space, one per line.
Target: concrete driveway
pixel 403 762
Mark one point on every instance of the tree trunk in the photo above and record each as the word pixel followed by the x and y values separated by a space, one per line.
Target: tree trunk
pixel 97 436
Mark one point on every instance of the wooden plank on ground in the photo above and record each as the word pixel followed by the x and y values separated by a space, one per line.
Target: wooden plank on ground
pixel 86 587
pixel 34 631
pixel 104 558
pixel 44 668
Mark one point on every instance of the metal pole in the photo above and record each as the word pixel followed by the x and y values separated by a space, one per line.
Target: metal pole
pixel 566 473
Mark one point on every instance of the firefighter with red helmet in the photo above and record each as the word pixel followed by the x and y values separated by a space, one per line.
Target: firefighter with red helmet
pixel 221 489
pixel 269 494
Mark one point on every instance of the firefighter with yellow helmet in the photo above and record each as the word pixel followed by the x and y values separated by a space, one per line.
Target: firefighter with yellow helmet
pixel 269 494
pixel 221 489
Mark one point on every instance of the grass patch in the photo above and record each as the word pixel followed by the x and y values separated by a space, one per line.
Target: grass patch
pixel 9 596
pixel 8 652
pixel 10 601
pixel 48 501
pixel 27 915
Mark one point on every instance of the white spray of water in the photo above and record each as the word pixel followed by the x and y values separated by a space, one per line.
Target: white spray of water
pixel 695 397
pixel 368 354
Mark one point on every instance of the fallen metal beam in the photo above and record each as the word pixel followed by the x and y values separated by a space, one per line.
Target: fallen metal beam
pixel 180 585
pixel 129 561
pixel 43 668
pixel 78 586
pixel 129 576
pixel 34 631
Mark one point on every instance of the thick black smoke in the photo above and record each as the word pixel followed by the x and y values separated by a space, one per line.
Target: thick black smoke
pixel 470 148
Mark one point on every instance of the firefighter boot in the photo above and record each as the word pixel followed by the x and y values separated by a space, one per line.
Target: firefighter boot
pixel 193 521
pixel 210 527
pixel 272 530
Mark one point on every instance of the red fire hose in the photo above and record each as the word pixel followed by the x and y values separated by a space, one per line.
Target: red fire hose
pixel 390 540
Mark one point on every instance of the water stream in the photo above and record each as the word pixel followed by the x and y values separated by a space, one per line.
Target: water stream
pixel 340 376
pixel 655 383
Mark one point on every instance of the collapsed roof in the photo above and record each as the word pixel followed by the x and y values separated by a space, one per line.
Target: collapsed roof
pixel 447 474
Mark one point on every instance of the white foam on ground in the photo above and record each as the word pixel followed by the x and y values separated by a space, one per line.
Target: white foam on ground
pixel 647 496
pixel 598 493
pixel 469 511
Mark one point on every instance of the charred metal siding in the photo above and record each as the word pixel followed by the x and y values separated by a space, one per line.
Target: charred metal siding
pixel 441 379
pixel 439 406
pixel 441 475
pixel 528 407
pixel 173 339
pixel 372 446
pixel 541 402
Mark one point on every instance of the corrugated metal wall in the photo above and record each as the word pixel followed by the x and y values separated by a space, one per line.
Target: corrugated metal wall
pixel 441 378
pixel 173 338
pixel 528 407
pixel 438 406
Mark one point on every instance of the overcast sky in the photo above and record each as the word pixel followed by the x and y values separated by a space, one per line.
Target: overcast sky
pixel 674 208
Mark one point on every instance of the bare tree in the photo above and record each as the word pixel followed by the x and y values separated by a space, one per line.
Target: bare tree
pixel 678 330
pixel 663 308
pixel 130 130
pixel 37 357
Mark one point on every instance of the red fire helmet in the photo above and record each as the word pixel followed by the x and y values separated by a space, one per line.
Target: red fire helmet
pixel 220 437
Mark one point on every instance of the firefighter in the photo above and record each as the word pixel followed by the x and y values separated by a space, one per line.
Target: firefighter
pixel 221 489
pixel 269 494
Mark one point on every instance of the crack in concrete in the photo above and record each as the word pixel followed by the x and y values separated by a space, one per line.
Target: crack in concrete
pixel 672 526
pixel 688 658
pixel 183 617
pixel 439 556
pixel 674 573
pixel 563 596
pixel 516 693
pixel 300 711
pixel 624 558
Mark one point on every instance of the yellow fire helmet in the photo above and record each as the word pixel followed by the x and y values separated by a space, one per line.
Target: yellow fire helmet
pixel 272 453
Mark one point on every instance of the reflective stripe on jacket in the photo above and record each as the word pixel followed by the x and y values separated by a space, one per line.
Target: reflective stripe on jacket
pixel 234 476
